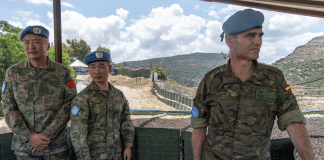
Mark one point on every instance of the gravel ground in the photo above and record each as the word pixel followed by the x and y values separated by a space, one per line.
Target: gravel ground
pixel 174 122
pixel 138 119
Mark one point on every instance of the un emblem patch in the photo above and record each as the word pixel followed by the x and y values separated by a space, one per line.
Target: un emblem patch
pixel 37 30
pixel 75 110
pixel 3 87
pixel 99 54
pixel 194 111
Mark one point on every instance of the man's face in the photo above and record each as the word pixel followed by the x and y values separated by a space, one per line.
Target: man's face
pixel 35 46
pixel 99 71
pixel 246 45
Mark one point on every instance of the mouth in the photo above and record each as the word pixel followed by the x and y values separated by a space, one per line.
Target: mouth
pixel 98 77
pixel 32 52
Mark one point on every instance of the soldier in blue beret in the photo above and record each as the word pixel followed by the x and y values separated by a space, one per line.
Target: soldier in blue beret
pixel 36 100
pixel 239 101
pixel 101 127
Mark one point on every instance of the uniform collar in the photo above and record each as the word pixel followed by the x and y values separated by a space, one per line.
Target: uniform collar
pixel 94 86
pixel 256 77
pixel 50 64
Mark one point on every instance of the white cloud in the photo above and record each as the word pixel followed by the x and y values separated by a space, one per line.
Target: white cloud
pixel 67 4
pixel 40 2
pixel 291 24
pixel 213 14
pixel 16 24
pixel 122 13
pixel 196 6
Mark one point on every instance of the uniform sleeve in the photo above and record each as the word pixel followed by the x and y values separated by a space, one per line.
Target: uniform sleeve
pixel 12 115
pixel 63 114
pixel 200 113
pixel 79 127
pixel 287 110
pixel 127 127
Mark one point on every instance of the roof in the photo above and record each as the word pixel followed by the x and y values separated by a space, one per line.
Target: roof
pixel 77 63
pixel 302 7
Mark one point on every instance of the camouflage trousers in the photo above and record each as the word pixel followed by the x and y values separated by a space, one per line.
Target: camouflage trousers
pixel 58 156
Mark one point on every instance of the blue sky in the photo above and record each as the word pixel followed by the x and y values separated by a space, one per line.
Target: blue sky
pixel 138 30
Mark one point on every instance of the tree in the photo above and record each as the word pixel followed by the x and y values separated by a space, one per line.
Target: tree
pixel 65 61
pixel 162 74
pixel 77 49
pixel 101 48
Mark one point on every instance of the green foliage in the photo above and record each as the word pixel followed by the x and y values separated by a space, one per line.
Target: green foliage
pixel 301 72
pixel 78 49
pixel 101 48
pixel 65 61
pixel 162 74
pixel 187 69
pixel 119 66
pixel 11 49
pixel 6 27
pixel 171 81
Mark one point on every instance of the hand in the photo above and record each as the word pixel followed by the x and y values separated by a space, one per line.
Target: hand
pixel 38 142
pixel 128 154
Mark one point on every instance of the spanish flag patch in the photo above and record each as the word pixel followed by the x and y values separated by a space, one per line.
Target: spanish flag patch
pixel 127 104
pixel 288 88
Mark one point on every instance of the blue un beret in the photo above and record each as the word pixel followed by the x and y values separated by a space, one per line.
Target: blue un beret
pixel 37 30
pixel 97 56
pixel 241 21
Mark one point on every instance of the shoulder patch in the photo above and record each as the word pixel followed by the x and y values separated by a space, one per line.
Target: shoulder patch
pixel 194 111
pixel 127 104
pixel 70 84
pixel 75 110
pixel 3 88
pixel 287 88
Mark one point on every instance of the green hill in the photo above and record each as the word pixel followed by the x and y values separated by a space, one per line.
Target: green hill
pixel 187 70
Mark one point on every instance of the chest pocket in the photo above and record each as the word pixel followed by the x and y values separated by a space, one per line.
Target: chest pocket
pixel 266 102
pixel 222 107
pixel 53 90
pixel 117 110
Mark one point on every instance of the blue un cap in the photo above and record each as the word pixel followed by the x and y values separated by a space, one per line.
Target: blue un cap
pixel 97 56
pixel 242 21
pixel 37 30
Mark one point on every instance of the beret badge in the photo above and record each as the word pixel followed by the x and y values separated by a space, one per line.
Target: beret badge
pixel 37 30
pixel 99 54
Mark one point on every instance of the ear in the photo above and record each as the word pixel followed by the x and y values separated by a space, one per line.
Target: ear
pixel 109 66
pixel 48 46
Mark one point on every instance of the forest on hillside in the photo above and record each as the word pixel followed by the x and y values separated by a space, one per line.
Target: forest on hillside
pixel 187 69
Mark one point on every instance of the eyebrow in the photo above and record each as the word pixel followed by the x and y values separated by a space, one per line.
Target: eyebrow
pixel 254 33
pixel 32 40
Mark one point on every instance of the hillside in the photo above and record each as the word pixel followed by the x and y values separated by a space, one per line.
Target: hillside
pixel 305 64
pixel 314 49
pixel 186 69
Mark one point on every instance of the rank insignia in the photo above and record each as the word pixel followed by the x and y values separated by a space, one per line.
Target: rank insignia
pixel 70 84
pixel 96 101
pixel 194 111
pixel 3 87
pixel 23 79
pixel 75 110
pixel 288 88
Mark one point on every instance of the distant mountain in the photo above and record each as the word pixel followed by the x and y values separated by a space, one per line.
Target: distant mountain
pixel 305 64
pixel 314 49
pixel 188 69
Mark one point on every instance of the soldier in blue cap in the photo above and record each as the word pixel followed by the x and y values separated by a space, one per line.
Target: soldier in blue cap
pixel 36 100
pixel 238 102
pixel 100 116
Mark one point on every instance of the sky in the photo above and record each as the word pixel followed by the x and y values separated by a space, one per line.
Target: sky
pixel 145 29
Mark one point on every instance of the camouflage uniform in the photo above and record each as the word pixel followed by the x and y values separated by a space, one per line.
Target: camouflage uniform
pixel 240 116
pixel 96 129
pixel 35 103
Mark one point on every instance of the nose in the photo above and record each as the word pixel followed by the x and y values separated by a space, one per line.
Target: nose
pixel 31 47
pixel 257 40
